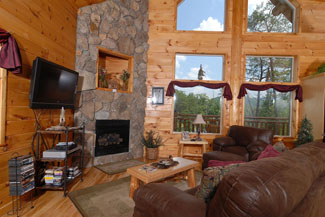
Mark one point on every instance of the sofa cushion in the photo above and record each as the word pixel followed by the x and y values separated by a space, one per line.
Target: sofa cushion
pixel 269 151
pixel 280 147
pixel 212 176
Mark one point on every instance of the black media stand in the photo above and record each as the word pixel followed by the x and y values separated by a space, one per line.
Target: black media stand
pixel 44 163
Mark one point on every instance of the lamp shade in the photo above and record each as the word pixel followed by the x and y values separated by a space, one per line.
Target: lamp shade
pixel 199 119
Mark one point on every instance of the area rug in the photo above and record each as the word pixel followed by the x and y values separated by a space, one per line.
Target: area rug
pixel 118 167
pixel 111 199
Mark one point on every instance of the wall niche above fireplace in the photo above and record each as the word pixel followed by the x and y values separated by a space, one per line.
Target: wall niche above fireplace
pixel 114 71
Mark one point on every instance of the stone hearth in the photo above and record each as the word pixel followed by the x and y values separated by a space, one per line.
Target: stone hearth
pixel 122 26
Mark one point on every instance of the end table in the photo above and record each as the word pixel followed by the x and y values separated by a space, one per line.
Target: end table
pixel 202 144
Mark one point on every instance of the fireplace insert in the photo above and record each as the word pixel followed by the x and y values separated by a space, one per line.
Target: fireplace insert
pixel 112 137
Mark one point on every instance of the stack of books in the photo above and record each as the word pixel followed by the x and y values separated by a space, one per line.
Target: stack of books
pixel 54 176
pixel 21 175
pixel 73 172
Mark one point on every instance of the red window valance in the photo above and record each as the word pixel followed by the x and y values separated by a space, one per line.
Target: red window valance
pixel 9 55
pixel 226 92
pixel 278 87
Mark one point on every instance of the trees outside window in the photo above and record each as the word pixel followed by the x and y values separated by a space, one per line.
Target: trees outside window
pixel 270 16
pixel 188 102
pixel 269 109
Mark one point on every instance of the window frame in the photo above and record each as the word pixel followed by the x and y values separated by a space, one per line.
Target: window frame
pixel 294 104
pixel 223 103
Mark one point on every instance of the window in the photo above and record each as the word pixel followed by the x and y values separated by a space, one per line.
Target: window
pixel 188 102
pixel 207 15
pixel 269 109
pixel 270 16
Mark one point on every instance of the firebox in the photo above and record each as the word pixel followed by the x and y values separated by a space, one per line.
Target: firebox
pixel 112 137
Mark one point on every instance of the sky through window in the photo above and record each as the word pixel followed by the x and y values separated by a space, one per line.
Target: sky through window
pixel 206 15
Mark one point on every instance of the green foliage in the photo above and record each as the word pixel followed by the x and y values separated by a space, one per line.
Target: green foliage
pixel 196 104
pixel 305 132
pixel 152 139
pixel 125 76
pixel 321 69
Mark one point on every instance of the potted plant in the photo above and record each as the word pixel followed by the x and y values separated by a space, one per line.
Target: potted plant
pixel 102 77
pixel 125 79
pixel 152 141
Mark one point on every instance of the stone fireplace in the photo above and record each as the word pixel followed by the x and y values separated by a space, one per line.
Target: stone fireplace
pixel 112 137
pixel 121 26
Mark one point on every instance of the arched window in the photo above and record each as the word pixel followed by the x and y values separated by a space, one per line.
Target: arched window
pixel 271 16
pixel 195 15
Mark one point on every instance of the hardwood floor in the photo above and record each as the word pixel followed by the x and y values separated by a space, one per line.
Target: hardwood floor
pixel 53 203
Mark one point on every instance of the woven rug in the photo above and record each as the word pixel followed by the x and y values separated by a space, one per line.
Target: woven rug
pixel 111 199
pixel 118 167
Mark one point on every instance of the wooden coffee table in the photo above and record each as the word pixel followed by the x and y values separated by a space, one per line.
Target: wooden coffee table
pixel 184 165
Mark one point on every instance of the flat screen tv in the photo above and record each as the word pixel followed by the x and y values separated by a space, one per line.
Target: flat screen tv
pixel 52 86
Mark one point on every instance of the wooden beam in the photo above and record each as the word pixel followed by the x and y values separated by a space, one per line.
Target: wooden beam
pixel 83 3
pixel 179 1
pixel 236 79
pixel 3 104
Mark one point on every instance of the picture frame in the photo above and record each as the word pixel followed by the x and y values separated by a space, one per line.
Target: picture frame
pixel 186 136
pixel 157 95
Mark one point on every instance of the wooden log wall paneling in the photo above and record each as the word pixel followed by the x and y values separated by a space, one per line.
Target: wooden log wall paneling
pixel 42 28
pixel 307 46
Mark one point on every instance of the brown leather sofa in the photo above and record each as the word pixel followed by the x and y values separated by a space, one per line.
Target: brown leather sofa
pixel 241 144
pixel 291 185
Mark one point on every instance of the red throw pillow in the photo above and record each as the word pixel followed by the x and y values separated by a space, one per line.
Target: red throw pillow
pixel 217 163
pixel 269 151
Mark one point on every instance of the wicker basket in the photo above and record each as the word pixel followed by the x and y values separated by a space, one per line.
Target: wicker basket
pixel 152 153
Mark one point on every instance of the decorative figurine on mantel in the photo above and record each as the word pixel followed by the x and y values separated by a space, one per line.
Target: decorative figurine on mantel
pixel 61 125
pixel 62 117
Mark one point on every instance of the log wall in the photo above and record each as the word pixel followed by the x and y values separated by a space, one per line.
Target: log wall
pixel 42 28
pixel 306 45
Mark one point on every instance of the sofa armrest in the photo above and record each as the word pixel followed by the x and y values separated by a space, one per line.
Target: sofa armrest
pixel 220 142
pixel 163 200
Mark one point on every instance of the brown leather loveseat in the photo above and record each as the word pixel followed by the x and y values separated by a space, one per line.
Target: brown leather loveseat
pixel 241 144
pixel 291 185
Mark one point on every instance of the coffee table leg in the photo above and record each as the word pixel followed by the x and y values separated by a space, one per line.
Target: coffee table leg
pixel 191 178
pixel 134 184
